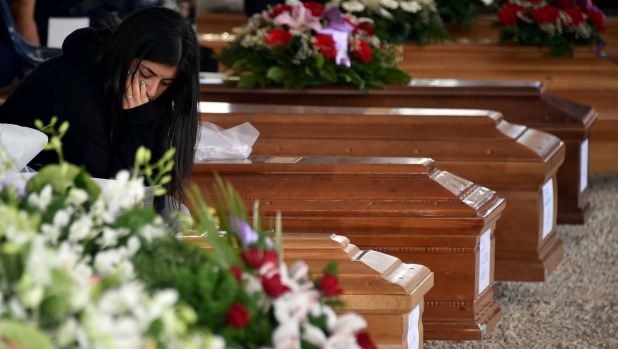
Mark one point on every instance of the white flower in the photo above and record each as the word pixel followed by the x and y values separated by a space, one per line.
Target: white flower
pixel 487 2
pixel 110 236
pixel 77 197
pixel 353 6
pixel 295 305
pixel 287 336
pixel 153 231
pixel 390 4
pixel 114 262
pixel 411 6
pixel 349 323
pixel 81 228
pixel 314 335
pixel 43 199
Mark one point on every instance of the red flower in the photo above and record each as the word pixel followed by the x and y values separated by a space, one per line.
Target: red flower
pixel 279 9
pixel 257 258
pixel 237 316
pixel 325 44
pixel 545 15
pixel 508 14
pixel 315 7
pixel 564 3
pixel 278 38
pixel 366 27
pixel 329 285
pixel 237 273
pixel 577 17
pixel 364 341
pixel 598 19
pixel 362 51
pixel 273 286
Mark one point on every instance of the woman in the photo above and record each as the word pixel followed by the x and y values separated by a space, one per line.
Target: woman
pixel 119 88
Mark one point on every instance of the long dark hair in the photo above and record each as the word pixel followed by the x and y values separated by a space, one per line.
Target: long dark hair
pixel 163 36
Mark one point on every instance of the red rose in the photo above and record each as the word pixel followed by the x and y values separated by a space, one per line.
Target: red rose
pixel 329 285
pixel 257 258
pixel 576 16
pixel 315 7
pixel 237 316
pixel 273 286
pixel 545 15
pixel 364 341
pixel 362 51
pixel 278 38
pixel 279 9
pixel 325 44
pixel 508 14
pixel 366 27
pixel 598 19
pixel 237 273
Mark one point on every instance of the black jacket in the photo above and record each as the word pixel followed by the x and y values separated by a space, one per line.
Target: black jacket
pixel 69 87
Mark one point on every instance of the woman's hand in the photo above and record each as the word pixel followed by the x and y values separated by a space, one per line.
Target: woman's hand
pixel 135 92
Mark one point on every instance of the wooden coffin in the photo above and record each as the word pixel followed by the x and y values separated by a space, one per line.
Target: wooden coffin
pixel 518 162
pixel 525 103
pixel 403 207
pixel 386 292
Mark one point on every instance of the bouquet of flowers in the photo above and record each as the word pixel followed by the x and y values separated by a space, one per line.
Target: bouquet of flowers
pixel 559 24
pixel 82 267
pixel 400 20
pixel 462 12
pixel 299 44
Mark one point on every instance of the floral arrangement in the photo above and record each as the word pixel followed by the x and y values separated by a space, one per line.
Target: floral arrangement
pixel 559 24
pixel 299 44
pixel 462 12
pixel 82 267
pixel 399 20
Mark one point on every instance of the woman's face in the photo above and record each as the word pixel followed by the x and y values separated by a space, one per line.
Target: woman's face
pixel 157 77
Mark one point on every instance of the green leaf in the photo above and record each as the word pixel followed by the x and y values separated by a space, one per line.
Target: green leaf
pixel 247 81
pixel 276 74
pixel 22 335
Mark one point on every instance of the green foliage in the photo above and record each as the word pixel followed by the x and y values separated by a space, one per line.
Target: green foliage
pixel 462 12
pixel 14 334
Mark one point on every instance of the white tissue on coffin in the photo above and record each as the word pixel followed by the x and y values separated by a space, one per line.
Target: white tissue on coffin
pixel 233 144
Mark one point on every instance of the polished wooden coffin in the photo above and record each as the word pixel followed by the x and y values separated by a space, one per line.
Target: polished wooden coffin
pixel 385 291
pixel 525 103
pixel 403 207
pixel 518 162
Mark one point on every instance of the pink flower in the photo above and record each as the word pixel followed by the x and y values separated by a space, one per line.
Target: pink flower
pixel 299 20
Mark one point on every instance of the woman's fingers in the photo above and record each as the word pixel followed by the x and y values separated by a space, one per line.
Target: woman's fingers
pixel 135 92
pixel 143 96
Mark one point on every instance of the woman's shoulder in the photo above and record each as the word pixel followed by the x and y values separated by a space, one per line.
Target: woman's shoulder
pixel 80 47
